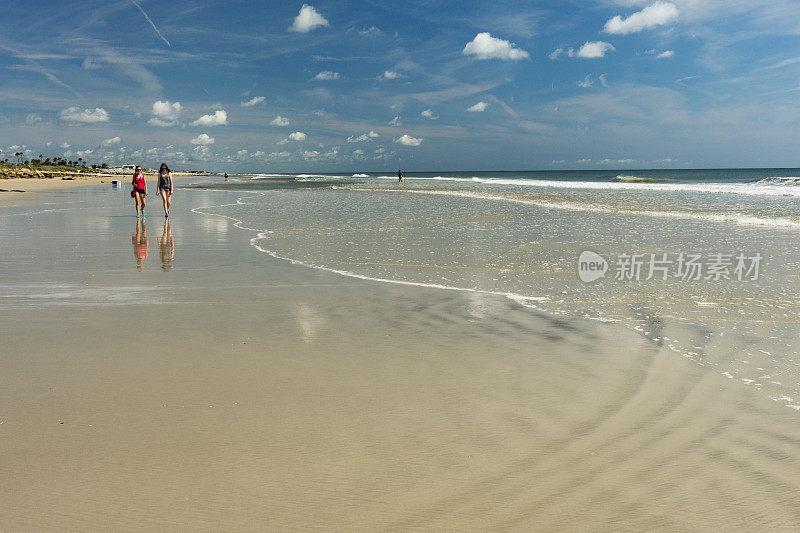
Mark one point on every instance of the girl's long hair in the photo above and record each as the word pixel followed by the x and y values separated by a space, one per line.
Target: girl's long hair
pixel 163 168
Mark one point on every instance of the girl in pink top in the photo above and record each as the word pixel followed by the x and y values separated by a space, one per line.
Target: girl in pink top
pixel 139 190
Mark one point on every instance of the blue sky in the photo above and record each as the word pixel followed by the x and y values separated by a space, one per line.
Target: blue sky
pixel 376 85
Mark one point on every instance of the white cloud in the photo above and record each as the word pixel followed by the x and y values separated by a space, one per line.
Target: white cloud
pixel 202 140
pixel 219 118
pixel 280 121
pixel 86 116
pixel 584 160
pixel 484 46
pixel 656 14
pixel 591 50
pixel 63 145
pixel 586 82
pixel 307 20
pixel 390 75
pixel 112 141
pixel 33 119
pixel 297 136
pixel 83 153
pixel 165 113
pixel 665 54
pixel 254 101
pixel 326 75
pixel 241 153
pixel 428 113
pixel 557 162
pixel 363 137
pixel 603 79
pixel 555 54
pixel 407 140
pixel 395 121
pixel 478 108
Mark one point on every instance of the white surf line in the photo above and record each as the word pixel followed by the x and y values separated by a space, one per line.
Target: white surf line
pixel 264 234
pixel 739 219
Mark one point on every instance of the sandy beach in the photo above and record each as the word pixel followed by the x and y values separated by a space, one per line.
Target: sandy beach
pixel 18 190
pixel 237 391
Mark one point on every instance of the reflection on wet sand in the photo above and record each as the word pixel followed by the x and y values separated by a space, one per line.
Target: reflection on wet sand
pixel 166 246
pixel 139 240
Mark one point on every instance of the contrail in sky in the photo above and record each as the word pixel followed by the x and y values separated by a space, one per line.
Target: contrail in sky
pixel 151 22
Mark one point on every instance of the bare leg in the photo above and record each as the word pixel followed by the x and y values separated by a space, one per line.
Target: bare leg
pixel 137 198
pixel 164 201
pixel 169 199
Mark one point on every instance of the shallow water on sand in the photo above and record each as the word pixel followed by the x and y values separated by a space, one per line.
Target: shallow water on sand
pixel 745 329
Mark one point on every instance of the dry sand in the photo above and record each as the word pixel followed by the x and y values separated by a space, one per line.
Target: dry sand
pixel 18 191
pixel 239 392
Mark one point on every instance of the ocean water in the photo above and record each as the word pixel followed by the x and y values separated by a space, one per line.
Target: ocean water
pixel 702 262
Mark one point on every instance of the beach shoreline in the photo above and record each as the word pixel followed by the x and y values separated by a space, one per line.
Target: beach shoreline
pixel 245 391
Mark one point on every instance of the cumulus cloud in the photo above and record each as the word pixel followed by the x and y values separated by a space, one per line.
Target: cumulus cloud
pixel 219 118
pixel 307 20
pixel 586 82
pixel 280 121
pixel 86 116
pixel 656 14
pixel 84 153
pixel 33 119
pixel 363 137
pixel 395 121
pixel 112 141
pixel 428 113
pixel 326 75
pixel 591 50
pixel 165 113
pixel 407 140
pixel 665 54
pixel 63 145
pixel 254 101
pixel 484 46
pixel 202 140
pixel 297 136
pixel 390 75
pixel 478 108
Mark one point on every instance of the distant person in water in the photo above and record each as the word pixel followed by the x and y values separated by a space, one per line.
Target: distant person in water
pixel 139 190
pixel 165 187
pixel 226 176
pixel 399 175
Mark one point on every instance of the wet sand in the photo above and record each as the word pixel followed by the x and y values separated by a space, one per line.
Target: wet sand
pixel 235 391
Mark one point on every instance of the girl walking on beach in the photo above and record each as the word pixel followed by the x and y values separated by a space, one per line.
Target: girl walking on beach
pixel 165 187
pixel 139 190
